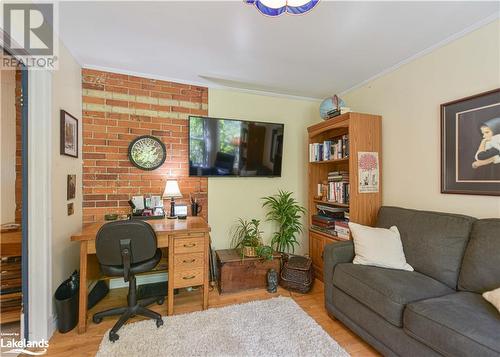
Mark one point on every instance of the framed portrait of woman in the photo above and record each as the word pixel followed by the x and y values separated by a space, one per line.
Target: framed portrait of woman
pixel 470 145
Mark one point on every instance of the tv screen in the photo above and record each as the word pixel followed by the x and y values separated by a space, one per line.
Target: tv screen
pixel 228 147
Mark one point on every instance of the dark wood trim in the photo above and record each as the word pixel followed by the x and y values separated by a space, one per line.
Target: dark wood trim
pixel 444 190
pixel 470 97
pixel 62 151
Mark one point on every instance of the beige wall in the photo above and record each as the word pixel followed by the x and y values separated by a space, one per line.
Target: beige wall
pixel 230 198
pixel 67 95
pixel 8 146
pixel 409 99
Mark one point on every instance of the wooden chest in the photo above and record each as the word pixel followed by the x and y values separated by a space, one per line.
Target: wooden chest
pixel 236 274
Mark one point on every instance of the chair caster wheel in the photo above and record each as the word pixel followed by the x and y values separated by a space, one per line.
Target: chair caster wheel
pixel 160 301
pixel 113 336
pixel 159 322
pixel 97 320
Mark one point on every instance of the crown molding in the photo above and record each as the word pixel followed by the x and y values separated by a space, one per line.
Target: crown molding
pixel 195 83
pixel 426 51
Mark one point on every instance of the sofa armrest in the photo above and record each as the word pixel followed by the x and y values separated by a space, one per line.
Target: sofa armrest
pixel 333 254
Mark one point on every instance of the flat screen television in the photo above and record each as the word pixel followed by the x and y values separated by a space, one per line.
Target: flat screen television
pixel 228 147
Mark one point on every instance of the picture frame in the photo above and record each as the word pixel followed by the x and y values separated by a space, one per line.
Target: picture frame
pixel 70 187
pixel 68 134
pixel 71 209
pixel 470 145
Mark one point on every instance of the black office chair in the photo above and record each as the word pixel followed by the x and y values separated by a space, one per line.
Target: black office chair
pixel 125 248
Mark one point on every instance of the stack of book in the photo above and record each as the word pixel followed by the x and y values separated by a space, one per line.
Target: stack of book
pixel 323 223
pixel 337 148
pixel 333 212
pixel 338 187
pixel 332 220
pixel 342 230
pixel 336 112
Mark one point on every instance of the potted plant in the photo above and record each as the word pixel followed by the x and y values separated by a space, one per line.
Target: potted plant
pixel 287 213
pixel 247 236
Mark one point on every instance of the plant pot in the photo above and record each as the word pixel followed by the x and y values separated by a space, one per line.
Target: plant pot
pixel 249 252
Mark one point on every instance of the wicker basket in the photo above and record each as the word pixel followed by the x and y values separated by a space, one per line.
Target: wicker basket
pixel 297 274
pixel 249 252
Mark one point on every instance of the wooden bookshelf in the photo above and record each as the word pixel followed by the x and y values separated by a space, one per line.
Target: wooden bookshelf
pixel 364 132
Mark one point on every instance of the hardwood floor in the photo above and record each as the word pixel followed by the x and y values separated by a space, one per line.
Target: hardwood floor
pixel 73 344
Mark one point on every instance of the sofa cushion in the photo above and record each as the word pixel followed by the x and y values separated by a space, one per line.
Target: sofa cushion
pixel 481 264
pixel 386 291
pixel 459 324
pixel 434 243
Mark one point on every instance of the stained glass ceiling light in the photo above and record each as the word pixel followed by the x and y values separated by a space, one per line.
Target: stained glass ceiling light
pixel 279 7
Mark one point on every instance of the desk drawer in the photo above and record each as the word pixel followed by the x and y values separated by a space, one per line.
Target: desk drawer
pixel 189 235
pixel 191 277
pixel 189 245
pixel 188 261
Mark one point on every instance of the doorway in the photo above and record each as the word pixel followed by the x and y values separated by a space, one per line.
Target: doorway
pixel 13 200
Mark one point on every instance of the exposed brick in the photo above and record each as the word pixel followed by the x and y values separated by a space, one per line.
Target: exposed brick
pixel 117 109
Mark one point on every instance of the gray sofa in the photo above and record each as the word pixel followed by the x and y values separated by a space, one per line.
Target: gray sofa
pixel 436 309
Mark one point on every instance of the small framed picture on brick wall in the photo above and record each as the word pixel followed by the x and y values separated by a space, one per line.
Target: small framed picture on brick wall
pixel 69 135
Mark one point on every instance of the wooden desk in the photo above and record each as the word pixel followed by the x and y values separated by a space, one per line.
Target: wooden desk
pixel 188 259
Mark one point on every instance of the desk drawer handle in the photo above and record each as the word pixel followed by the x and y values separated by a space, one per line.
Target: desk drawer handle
pixel 190 245
pixel 189 277
pixel 186 261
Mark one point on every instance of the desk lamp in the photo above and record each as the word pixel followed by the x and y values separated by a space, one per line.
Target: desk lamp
pixel 172 191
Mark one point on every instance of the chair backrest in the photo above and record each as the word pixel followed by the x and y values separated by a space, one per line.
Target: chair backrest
pixel 143 243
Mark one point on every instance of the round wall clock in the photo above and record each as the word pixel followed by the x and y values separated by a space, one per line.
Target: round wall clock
pixel 147 152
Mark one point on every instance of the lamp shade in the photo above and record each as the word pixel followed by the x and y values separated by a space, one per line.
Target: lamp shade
pixel 172 190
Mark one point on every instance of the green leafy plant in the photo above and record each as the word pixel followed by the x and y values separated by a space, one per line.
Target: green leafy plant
pixel 287 213
pixel 265 252
pixel 246 234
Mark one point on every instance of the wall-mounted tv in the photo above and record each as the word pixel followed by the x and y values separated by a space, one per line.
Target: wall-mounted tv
pixel 228 147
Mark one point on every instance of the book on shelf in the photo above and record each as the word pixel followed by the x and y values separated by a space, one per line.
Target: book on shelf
pixel 336 112
pixel 335 190
pixel 321 221
pixel 342 229
pixel 337 225
pixel 324 230
pixel 334 149
pixel 330 209
pixel 342 213
pixel 338 176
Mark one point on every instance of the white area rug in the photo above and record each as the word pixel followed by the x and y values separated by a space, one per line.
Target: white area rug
pixel 274 327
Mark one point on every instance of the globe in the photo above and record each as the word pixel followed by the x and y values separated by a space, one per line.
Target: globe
pixel 328 105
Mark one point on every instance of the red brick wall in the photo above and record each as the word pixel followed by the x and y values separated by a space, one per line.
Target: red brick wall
pixel 118 108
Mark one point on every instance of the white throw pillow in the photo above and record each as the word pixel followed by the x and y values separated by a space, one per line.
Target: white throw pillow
pixel 493 297
pixel 378 247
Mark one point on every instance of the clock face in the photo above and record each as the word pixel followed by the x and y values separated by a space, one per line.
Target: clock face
pixel 147 152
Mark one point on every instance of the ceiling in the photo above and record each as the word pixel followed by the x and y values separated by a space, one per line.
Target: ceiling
pixel 334 47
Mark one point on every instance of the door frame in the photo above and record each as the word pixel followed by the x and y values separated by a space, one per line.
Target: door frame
pixel 25 203
pixel 40 320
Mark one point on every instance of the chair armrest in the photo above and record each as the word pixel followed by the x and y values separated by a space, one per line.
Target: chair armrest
pixel 333 254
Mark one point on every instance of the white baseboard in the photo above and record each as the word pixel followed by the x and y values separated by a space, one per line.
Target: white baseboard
pixel 141 280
